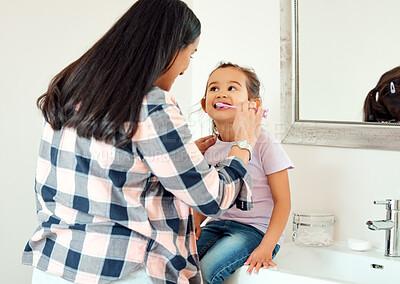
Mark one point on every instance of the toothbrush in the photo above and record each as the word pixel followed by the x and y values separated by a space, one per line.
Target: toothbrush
pixel 265 111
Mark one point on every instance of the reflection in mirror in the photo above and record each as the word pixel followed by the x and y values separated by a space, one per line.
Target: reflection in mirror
pixel 344 47
pixel 382 103
pixel 329 108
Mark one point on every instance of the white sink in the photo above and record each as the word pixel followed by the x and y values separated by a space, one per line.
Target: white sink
pixel 323 265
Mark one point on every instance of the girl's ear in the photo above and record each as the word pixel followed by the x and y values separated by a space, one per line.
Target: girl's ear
pixel 257 101
pixel 203 104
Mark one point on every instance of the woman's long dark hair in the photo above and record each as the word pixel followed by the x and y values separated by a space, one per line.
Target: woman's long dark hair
pixel 103 90
pixel 382 103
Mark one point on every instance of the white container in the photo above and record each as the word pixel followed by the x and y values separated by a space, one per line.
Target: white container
pixel 359 245
pixel 313 229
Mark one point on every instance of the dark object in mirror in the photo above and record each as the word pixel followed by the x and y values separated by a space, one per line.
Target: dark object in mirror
pixel 382 103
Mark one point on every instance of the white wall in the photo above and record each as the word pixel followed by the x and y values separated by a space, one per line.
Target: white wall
pixel 345 182
pixel 244 34
pixel 39 38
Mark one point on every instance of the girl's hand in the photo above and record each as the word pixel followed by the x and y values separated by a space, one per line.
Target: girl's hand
pixel 247 122
pixel 206 142
pixel 259 258
pixel 197 230
pixel 198 219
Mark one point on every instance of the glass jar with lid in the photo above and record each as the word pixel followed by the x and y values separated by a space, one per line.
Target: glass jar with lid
pixel 313 228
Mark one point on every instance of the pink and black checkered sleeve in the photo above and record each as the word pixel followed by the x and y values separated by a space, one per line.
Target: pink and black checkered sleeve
pixel 166 147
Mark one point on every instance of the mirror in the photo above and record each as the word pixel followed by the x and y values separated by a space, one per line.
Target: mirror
pixel 322 47
pixel 344 49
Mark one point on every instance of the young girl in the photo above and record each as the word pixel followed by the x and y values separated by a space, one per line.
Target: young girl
pixel 253 237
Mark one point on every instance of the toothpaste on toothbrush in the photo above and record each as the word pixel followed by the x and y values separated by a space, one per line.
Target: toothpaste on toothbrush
pixel 220 105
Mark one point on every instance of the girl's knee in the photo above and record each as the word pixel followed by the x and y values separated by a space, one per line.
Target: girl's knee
pixel 215 272
pixel 209 270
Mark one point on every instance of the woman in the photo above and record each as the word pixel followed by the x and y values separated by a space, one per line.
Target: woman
pixel 118 173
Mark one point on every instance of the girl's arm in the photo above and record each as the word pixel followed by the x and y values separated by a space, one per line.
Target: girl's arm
pixel 198 219
pixel 262 255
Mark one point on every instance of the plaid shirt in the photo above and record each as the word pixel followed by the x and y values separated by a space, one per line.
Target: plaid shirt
pixel 105 212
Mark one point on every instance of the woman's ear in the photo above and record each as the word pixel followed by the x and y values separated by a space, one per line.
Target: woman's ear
pixel 203 104
pixel 257 101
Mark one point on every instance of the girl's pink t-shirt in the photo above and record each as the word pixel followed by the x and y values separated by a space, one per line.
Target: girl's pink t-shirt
pixel 268 158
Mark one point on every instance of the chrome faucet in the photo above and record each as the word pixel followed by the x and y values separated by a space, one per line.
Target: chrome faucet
pixel 390 225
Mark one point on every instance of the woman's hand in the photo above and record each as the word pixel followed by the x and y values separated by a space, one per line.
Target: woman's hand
pixel 247 122
pixel 206 142
pixel 260 257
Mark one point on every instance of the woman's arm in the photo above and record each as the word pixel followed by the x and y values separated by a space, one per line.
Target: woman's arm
pixel 262 255
pixel 165 145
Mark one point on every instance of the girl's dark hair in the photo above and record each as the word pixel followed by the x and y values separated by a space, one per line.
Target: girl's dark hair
pixel 252 84
pixel 101 93
pixel 382 103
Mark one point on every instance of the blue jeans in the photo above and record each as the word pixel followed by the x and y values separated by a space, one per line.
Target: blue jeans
pixel 224 246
